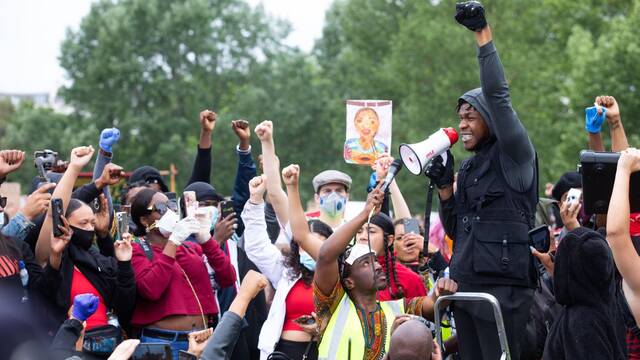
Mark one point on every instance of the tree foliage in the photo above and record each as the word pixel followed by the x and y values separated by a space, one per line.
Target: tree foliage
pixel 149 67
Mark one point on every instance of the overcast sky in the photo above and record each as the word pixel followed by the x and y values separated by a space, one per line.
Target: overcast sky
pixel 31 32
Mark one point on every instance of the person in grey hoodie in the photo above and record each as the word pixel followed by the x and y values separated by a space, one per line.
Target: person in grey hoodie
pixel 493 208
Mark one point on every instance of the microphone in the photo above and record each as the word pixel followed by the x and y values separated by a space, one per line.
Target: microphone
pixel 394 169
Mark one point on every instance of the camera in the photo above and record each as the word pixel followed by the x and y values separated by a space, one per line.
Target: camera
pixel 598 171
pixel 45 160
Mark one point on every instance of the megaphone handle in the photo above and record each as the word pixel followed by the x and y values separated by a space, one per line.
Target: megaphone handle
pixel 427 218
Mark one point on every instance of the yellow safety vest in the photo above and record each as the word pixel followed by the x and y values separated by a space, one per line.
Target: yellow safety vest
pixel 343 337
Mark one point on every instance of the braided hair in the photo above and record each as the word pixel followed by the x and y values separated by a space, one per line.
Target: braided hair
pixel 390 263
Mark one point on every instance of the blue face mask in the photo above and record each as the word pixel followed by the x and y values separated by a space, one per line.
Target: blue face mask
pixel 214 215
pixel 307 261
pixel 333 204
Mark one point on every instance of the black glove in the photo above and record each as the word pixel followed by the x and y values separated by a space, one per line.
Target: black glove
pixel 441 174
pixel 471 15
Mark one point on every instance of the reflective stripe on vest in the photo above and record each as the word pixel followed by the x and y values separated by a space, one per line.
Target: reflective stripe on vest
pixel 344 332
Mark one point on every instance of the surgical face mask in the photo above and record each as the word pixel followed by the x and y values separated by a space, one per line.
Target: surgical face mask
pixel 215 214
pixel 2 219
pixel 307 261
pixel 167 222
pixel 333 204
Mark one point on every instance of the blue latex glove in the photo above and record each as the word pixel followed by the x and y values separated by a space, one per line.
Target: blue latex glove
pixel 593 121
pixel 84 305
pixel 108 138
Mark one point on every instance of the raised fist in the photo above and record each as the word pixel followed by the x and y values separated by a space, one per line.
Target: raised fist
pixel 10 161
pixel 471 15
pixel 208 120
pixel 108 138
pixel 291 175
pixel 264 131
pixel 81 156
pixel 241 128
pixel 257 187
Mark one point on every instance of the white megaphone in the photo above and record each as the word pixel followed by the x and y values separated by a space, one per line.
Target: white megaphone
pixel 416 156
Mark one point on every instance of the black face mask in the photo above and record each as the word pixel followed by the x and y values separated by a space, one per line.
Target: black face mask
pixel 82 238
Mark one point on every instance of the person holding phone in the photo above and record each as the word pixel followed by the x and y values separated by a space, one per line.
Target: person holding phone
pixel 292 308
pixel 75 266
pixel 175 294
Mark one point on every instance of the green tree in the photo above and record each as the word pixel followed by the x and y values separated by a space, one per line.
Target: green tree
pixel 149 66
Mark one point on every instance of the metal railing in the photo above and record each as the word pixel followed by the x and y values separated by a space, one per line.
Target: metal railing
pixel 472 296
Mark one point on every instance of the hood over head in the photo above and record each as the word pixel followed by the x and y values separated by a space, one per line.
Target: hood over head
pixel 584 270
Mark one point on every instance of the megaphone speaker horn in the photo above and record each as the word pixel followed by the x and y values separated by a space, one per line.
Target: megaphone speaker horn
pixel 416 156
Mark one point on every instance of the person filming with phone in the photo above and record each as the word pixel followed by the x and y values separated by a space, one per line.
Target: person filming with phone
pixel 490 214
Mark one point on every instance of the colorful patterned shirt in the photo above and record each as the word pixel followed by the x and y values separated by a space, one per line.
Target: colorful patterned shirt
pixel 374 324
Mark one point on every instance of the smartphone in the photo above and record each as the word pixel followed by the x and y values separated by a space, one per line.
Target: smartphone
pixel 305 320
pixel 226 208
pixel 56 214
pixel 411 226
pixel 123 223
pixel 573 196
pixel 190 202
pixel 540 238
pixel 152 351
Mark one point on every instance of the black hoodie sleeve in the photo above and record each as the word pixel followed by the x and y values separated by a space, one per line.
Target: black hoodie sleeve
pixel 125 296
pixel 518 160
pixel 201 167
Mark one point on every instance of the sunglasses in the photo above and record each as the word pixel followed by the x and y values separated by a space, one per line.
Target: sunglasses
pixel 3 201
pixel 161 208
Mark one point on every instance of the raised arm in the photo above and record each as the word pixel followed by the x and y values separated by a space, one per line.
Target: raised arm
pixel 511 134
pixel 220 345
pixel 624 254
pixel 271 164
pixel 246 169
pixel 327 272
pixel 202 164
pixel 257 244
pixel 80 156
pixel 618 137
pixel 299 226
pixel 108 138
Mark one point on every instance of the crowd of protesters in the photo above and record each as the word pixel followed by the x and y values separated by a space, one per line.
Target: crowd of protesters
pixel 153 275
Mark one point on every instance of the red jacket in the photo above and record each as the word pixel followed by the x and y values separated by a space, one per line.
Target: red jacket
pixel 163 289
pixel 410 281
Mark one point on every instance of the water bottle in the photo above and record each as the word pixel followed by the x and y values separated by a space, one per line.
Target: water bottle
pixel 24 278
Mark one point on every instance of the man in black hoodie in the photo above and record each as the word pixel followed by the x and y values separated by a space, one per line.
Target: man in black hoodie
pixel 494 206
pixel 584 283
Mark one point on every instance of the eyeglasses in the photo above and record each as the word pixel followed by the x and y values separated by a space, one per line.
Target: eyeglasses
pixel 161 208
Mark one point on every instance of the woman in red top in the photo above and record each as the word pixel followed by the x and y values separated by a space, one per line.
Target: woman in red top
pixel 174 288
pixel 75 266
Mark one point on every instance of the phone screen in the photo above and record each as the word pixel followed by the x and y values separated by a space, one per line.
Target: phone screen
pixel 152 351
pixel 411 226
pixel 540 238
pixel 226 208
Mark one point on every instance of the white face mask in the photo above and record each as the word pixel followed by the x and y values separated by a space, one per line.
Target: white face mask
pixel 167 222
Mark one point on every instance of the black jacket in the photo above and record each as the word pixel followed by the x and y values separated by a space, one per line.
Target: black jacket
pixel 113 279
pixel 584 283
pixel 494 206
